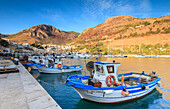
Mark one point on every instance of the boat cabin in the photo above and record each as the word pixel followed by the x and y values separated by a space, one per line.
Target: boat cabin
pixel 104 71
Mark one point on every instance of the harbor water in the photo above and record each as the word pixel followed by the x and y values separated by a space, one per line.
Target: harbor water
pixel 68 98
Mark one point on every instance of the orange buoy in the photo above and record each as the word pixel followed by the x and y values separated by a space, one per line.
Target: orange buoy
pixel 122 78
pixel 29 69
pixel 125 93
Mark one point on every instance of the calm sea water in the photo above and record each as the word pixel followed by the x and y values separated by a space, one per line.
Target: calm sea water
pixel 68 98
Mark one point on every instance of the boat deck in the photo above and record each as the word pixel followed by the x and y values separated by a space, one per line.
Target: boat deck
pixel 21 91
pixel 131 79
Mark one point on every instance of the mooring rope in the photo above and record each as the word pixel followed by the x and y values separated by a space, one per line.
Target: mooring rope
pixel 48 83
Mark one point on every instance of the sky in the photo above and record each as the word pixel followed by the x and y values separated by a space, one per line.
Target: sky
pixel 73 15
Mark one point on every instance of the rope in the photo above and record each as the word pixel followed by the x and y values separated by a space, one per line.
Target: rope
pixel 48 83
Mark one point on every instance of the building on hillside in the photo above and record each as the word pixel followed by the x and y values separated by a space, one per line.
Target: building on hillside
pixel 139 26
pixel 19 46
pixel 26 45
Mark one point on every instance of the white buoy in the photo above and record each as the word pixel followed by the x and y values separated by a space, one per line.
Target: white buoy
pixel 159 83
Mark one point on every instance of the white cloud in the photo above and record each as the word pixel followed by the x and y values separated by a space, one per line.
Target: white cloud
pixel 108 8
pixel 123 8
pixel 144 8
pixel 97 7
pixel 52 15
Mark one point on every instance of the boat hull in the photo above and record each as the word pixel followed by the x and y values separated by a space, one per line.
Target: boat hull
pixel 113 96
pixel 33 67
pixel 57 70
pixel 49 70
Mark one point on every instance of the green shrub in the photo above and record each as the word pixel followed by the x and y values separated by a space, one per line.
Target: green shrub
pixel 166 45
pixel 142 34
pixel 157 21
pixel 163 28
pixel 167 30
pixel 146 23
pixel 158 30
pixel 124 36
pixel 150 29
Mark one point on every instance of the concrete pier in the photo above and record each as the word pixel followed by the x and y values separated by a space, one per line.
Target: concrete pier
pixel 21 91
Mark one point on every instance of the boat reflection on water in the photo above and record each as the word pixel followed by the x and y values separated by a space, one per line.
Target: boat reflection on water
pixel 35 73
pixel 52 77
pixel 142 103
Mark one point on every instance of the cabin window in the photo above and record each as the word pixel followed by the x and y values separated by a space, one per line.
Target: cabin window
pixel 98 68
pixel 102 70
pixel 110 69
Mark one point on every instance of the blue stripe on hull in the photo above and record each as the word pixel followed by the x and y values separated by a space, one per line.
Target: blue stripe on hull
pixel 123 96
pixel 139 90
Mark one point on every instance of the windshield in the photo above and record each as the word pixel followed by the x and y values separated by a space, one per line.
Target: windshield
pixel 110 69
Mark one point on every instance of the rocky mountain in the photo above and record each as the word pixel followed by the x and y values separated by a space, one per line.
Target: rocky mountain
pixel 127 31
pixel 42 33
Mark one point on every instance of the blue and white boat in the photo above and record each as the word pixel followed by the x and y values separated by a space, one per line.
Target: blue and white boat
pixel 64 69
pixel 105 86
pixel 56 68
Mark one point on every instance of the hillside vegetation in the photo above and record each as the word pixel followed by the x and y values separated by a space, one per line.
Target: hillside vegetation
pixel 124 34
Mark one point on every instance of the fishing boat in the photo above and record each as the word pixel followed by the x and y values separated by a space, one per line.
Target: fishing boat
pixel 64 69
pixel 105 86
pixel 38 60
pixel 140 56
pixel 57 67
pixel 151 56
pixel 34 59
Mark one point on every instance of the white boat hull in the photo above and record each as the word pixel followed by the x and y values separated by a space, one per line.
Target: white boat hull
pixel 57 70
pixel 111 96
pixel 48 70
pixel 33 67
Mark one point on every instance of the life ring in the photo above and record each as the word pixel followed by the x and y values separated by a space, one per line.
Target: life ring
pixel 109 83
pixel 59 66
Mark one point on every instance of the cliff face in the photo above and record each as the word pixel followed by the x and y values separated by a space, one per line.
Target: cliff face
pixel 42 33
